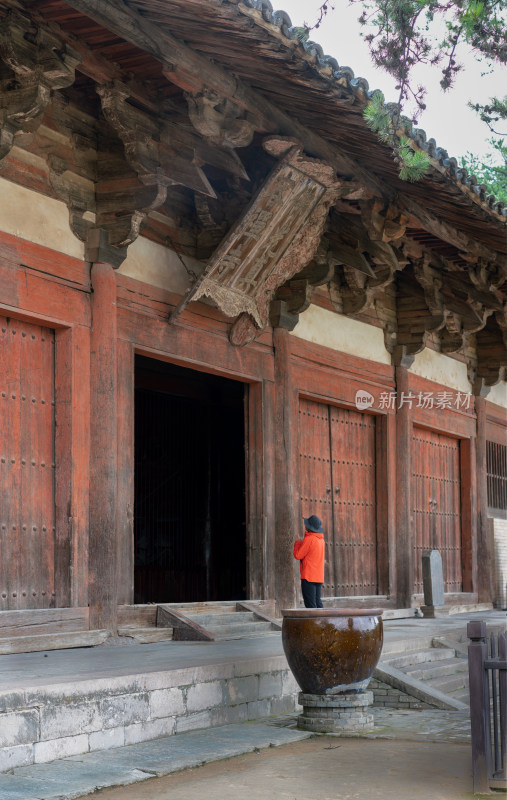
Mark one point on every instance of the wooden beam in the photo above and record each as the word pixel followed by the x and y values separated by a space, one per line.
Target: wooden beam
pixel 193 73
pixel 40 621
pixel 448 233
pixel 52 641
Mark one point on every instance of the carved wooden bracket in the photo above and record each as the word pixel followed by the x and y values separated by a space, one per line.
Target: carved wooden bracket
pixel 295 295
pixel 384 222
pixel 41 64
pixel 491 350
pixel 220 119
pixel 137 157
pixel 364 267
pixel 149 148
pixel 275 237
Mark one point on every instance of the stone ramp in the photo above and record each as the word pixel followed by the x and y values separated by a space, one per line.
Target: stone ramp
pixel 429 670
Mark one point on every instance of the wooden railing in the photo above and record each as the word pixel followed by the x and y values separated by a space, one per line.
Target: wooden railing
pixel 488 707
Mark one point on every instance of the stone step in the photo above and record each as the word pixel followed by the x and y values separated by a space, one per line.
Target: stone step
pixel 247 634
pixel 451 683
pixel 404 645
pixel 204 608
pixel 429 670
pixel 146 635
pixel 462 694
pixel 406 660
pixel 222 618
pixel 238 628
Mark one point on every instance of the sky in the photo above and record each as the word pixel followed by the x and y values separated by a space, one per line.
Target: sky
pixel 447 119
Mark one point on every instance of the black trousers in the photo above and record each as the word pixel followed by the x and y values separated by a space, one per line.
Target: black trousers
pixel 311 594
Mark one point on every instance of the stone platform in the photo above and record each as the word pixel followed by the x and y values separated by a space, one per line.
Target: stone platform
pixel 64 703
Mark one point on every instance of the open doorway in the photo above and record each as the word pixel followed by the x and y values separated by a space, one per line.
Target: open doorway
pixel 189 513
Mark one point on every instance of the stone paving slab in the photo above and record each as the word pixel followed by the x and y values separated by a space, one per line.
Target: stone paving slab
pixel 80 775
pixel 428 725
pixel 76 776
pixel 431 725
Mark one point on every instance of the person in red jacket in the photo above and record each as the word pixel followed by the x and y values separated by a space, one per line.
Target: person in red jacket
pixel 310 554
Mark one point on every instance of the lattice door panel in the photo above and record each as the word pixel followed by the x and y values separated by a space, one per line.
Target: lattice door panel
pixel 315 475
pixel 436 504
pixel 27 504
pixel 354 502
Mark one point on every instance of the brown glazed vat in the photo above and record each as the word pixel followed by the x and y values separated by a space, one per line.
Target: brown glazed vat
pixel 332 650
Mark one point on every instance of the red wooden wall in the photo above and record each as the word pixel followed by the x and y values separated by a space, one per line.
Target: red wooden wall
pixel 357 451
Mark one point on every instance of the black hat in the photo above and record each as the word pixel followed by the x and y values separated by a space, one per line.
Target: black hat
pixel 313 524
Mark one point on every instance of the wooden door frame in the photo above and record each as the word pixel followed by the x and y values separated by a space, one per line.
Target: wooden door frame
pixel 259 472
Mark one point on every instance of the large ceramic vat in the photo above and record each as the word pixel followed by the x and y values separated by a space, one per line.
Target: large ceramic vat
pixel 332 650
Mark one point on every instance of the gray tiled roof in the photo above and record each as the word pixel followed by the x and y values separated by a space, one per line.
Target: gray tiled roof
pixel 359 86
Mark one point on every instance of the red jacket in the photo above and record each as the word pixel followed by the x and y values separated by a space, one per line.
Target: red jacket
pixel 310 554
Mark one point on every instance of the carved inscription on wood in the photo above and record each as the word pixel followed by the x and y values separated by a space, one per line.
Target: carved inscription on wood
pixel 273 240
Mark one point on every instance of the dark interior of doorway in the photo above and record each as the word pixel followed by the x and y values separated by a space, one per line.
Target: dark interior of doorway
pixel 189 513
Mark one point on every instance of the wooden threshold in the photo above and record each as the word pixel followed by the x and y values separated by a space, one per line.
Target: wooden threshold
pixel 39 621
pixel 52 641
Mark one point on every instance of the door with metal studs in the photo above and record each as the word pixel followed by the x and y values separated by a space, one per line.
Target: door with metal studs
pixel 337 478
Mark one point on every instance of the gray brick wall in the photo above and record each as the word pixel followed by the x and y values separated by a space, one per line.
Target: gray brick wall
pixel 385 696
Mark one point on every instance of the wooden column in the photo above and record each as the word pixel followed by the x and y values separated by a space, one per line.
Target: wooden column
pixel 261 541
pixel 72 457
pixel 103 556
pixel 125 471
pixel 286 530
pixel 484 555
pixel 404 527
pixel 386 503
pixel 468 469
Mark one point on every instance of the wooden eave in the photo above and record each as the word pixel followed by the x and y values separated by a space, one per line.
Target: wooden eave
pixel 237 38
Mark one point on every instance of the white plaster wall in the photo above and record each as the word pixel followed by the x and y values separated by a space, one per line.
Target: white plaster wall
pixel 498 394
pixel 342 333
pixel 441 369
pixel 157 265
pixel 37 218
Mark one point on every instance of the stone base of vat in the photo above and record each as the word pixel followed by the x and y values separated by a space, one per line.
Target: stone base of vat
pixel 336 713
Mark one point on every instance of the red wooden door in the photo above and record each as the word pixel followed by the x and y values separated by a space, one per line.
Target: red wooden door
pixel 436 500
pixel 354 500
pixel 315 476
pixel 27 506
pixel 338 483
